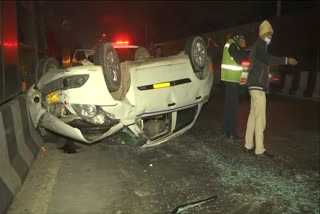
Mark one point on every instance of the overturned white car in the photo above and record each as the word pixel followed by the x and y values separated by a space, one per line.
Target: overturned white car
pixel 155 98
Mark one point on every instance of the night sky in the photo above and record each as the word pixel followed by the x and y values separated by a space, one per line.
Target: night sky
pixel 145 21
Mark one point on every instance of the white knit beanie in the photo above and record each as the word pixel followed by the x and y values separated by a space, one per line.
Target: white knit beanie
pixel 265 27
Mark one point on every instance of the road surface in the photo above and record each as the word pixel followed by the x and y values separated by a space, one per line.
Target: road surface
pixel 114 176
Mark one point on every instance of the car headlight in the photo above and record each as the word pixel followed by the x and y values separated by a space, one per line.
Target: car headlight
pixel 93 114
pixel 85 110
pixel 99 119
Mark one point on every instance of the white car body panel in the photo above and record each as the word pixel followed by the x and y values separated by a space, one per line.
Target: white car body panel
pixel 85 94
pixel 166 70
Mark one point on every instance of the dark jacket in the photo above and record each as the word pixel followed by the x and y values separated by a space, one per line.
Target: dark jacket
pixel 258 78
pixel 236 52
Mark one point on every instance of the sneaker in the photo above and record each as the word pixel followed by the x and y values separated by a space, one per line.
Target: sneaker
pixel 265 154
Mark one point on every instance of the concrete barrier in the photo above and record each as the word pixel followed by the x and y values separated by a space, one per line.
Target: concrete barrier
pixel 288 80
pixel 308 86
pixel 303 83
pixel 316 90
pixel 19 145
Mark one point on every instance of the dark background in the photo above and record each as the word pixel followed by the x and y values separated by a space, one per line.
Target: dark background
pixel 142 21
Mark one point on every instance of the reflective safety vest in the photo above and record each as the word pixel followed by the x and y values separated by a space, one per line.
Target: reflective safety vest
pixel 230 70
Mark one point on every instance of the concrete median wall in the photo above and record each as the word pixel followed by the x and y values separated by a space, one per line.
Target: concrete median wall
pixel 303 83
pixel 19 145
pixel 307 85
pixel 316 91
pixel 288 80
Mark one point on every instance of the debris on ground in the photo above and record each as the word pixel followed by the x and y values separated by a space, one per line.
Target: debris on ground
pixel 43 149
pixel 184 207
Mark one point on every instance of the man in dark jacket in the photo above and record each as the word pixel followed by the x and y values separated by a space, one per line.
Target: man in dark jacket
pixel 258 85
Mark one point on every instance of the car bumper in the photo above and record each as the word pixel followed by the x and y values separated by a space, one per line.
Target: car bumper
pixel 54 124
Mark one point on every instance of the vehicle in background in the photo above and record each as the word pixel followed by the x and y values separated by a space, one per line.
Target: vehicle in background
pixel 274 75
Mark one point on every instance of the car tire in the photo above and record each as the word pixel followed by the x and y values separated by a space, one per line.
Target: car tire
pixel 107 57
pixel 141 54
pixel 46 64
pixel 196 49
pixel 205 71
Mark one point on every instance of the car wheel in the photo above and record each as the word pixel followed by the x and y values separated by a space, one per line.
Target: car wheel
pixel 107 57
pixel 206 71
pixel 141 54
pixel 197 51
pixel 46 64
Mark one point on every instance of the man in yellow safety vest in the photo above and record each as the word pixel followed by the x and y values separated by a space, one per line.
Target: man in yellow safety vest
pixel 231 69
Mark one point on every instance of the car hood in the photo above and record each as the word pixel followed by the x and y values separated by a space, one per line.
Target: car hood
pixel 56 74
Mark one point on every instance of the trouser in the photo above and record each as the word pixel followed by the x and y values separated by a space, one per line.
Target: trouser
pixel 256 121
pixel 231 108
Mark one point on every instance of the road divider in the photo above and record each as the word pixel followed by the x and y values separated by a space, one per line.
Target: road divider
pixel 303 83
pixel 288 80
pixel 316 91
pixel 19 146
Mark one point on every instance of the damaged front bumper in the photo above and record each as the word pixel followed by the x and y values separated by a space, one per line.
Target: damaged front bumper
pixel 75 128
pixel 78 130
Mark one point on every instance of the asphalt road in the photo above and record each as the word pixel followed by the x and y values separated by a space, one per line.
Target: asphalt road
pixel 114 176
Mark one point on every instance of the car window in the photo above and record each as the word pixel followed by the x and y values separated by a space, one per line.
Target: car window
pixel 126 54
pixel 78 57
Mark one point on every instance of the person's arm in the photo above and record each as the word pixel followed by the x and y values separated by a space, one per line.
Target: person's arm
pixel 268 59
pixel 235 53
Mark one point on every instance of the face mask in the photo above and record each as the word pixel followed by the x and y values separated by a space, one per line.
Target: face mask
pixel 267 40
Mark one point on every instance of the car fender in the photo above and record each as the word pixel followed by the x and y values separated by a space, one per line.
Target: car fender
pixel 35 109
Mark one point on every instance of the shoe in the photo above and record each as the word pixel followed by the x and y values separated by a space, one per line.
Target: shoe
pixel 265 155
pixel 235 137
pixel 249 150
